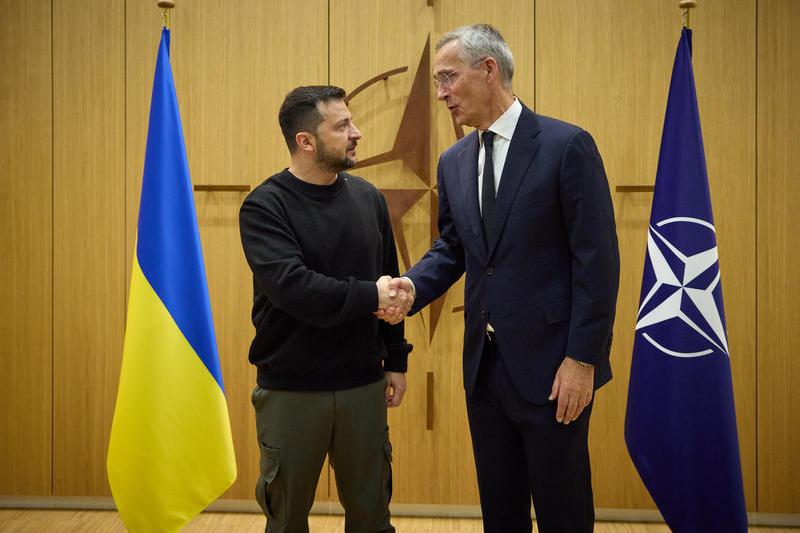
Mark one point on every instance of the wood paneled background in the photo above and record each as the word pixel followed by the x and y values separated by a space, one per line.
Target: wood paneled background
pixel 26 248
pixel 75 83
pixel 778 259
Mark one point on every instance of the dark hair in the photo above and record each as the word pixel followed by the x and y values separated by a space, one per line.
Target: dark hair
pixel 299 110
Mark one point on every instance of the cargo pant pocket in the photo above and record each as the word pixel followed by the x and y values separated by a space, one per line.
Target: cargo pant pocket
pixel 387 467
pixel 270 489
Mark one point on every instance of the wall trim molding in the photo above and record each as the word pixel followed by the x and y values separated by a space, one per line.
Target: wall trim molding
pixel 398 509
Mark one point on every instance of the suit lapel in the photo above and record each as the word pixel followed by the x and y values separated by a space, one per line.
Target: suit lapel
pixel 468 173
pixel 521 153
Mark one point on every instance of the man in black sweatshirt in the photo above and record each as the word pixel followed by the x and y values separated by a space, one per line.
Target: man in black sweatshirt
pixel 316 239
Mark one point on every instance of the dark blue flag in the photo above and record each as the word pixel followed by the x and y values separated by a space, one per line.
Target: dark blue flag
pixel 680 426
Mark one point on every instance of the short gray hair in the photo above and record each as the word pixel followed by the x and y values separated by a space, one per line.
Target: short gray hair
pixel 479 41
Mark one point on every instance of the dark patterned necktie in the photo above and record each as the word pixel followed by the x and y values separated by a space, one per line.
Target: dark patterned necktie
pixel 487 192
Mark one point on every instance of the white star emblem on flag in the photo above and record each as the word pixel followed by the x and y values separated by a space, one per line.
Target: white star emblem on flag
pixel 712 328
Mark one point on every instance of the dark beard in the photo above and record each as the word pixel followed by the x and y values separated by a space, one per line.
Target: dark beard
pixel 332 162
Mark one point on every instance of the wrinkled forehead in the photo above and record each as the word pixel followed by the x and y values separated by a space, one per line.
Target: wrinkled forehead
pixel 447 58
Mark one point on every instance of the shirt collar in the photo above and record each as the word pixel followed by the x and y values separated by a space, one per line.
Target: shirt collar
pixel 505 125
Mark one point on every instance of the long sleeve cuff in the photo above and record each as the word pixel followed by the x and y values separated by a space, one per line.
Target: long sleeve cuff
pixel 366 294
pixel 397 357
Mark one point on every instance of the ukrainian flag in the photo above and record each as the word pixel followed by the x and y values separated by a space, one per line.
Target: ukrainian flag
pixel 171 452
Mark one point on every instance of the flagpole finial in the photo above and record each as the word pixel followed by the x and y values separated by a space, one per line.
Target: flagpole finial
pixel 165 6
pixel 686 5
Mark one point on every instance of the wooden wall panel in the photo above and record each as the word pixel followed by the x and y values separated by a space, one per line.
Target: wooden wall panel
pixel 232 69
pixel 778 257
pixel 431 466
pixel 358 54
pixel 78 150
pixel 89 228
pixel 614 83
pixel 26 240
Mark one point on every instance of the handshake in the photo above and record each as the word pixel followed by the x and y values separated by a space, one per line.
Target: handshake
pixel 395 298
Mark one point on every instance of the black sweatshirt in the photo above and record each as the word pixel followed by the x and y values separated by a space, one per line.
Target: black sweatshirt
pixel 316 252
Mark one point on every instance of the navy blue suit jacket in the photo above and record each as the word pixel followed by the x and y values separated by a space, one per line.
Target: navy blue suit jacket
pixel 546 277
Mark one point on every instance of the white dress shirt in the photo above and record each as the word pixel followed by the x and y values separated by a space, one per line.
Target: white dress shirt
pixel 503 129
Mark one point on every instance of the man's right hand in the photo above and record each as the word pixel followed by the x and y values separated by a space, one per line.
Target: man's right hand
pixel 395 298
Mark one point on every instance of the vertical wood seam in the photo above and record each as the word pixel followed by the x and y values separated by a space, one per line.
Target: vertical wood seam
pixel 52 252
pixel 756 182
pixel 535 59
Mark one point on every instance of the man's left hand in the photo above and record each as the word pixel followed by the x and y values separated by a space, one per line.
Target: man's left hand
pixel 395 388
pixel 573 386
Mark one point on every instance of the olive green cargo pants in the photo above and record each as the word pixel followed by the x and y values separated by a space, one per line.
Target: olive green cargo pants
pixel 295 432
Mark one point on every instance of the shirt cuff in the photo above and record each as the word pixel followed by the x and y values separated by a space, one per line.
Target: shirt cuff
pixel 413 287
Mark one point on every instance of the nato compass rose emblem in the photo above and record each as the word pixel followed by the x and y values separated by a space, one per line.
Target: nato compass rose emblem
pixel 681 314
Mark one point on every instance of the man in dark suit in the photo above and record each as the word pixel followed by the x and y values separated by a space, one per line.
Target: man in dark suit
pixel 525 210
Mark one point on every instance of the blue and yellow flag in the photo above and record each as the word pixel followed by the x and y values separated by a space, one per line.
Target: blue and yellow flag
pixel 680 425
pixel 171 452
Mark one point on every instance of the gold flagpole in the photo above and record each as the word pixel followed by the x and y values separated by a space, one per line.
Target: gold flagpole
pixel 165 6
pixel 686 5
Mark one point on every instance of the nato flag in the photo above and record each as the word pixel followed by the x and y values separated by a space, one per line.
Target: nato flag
pixel 680 426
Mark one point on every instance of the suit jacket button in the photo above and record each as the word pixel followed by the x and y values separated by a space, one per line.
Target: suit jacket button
pixel 483 314
pixel 490 271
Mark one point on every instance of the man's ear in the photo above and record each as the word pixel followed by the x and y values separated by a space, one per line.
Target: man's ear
pixel 492 68
pixel 305 141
